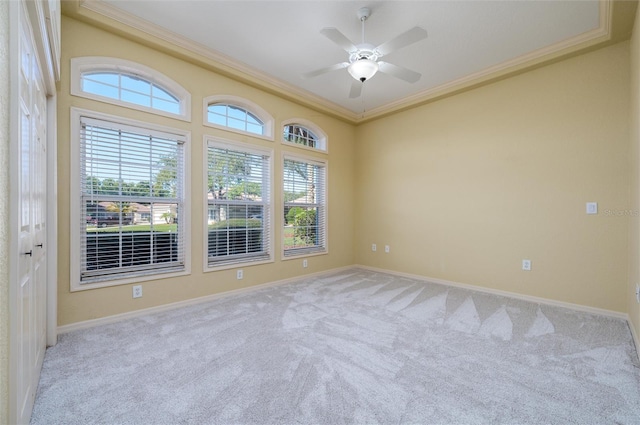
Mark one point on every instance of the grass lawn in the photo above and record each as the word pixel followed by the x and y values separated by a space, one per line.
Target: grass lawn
pixel 290 241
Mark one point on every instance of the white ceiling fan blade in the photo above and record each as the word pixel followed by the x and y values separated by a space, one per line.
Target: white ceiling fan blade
pixel 325 70
pixel 339 38
pixel 414 35
pixel 356 89
pixel 399 72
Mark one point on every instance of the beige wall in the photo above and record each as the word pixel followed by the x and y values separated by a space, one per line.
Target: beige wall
pixel 4 212
pixel 634 228
pixel 79 39
pixel 462 189
pixel 465 188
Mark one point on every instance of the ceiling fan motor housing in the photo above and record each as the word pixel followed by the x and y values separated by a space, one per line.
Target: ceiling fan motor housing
pixel 364 51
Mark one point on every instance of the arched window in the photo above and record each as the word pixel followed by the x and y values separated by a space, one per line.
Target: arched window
pixel 129 84
pixel 303 133
pixel 234 117
pixel 239 115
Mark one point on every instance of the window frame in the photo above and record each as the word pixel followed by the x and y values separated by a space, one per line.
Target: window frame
pixel 244 104
pixel 75 202
pixel 323 141
pixel 305 252
pixel 93 64
pixel 250 148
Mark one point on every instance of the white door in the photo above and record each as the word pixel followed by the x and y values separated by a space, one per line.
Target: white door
pixel 29 297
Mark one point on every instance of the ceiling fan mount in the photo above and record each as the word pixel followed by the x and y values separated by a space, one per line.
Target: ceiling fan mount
pixel 364 58
pixel 364 13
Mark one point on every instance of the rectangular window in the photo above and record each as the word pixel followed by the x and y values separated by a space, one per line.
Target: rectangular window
pixel 305 212
pixel 239 204
pixel 132 201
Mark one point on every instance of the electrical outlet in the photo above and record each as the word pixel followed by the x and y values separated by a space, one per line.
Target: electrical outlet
pixel 526 265
pixel 137 291
pixel 239 274
pixel 638 293
pixel 304 263
pixel 374 248
pixel 387 249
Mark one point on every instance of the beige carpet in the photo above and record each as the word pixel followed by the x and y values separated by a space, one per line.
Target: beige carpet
pixel 352 347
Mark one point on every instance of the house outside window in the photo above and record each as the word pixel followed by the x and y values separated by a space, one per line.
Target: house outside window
pixel 129 200
pixel 238 204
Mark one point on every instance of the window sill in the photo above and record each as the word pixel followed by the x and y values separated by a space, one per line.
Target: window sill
pixel 207 268
pixel 76 286
pixel 304 254
pixel 304 147
pixel 267 137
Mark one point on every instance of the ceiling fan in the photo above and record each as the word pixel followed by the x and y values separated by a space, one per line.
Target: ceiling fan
pixel 364 58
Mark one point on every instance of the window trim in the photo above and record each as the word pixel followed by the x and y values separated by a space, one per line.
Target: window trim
pixel 74 216
pixel 245 104
pixel 322 136
pixel 316 161
pixel 218 141
pixel 81 65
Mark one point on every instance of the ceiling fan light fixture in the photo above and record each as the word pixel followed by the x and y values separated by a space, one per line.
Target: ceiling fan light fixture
pixel 363 69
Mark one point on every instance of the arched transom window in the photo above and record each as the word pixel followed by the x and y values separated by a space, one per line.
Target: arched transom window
pixel 131 89
pixel 235 117
pixel 238 115
pixel 300 135
pixel 129 84
pixel 304 134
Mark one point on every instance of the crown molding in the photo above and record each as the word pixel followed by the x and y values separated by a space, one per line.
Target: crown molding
pixel 122 22
pixel 560 50
pixel 94 11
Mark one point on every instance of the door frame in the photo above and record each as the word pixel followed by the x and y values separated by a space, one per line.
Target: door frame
pixel 52 221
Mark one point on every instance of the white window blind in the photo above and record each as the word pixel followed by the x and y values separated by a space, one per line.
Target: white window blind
pixel 239 198
pixel 132 201
pixel 305 215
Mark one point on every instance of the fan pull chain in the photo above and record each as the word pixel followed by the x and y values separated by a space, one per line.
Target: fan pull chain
pixel 364 108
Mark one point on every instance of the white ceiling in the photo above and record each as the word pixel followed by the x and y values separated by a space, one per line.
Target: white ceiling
pixel 281 40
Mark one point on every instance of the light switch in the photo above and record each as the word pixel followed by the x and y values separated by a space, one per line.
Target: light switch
pixel 592 208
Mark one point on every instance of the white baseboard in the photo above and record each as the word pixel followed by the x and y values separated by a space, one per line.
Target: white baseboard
pixel 634 334
pixel 165 307
pixel 539 300
pixel 546 301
